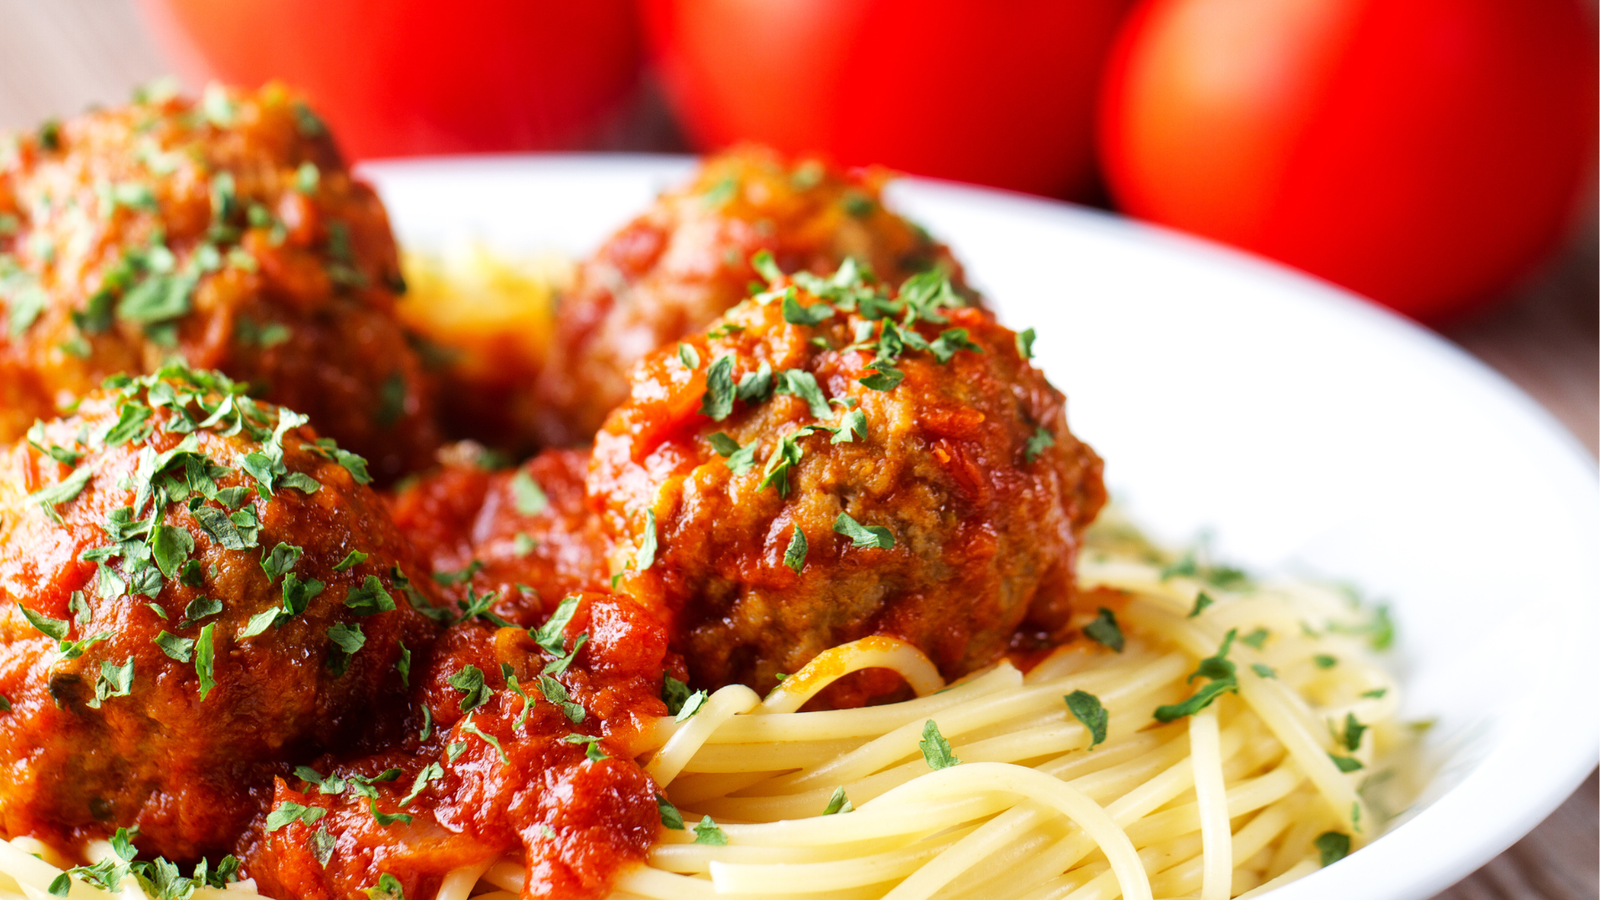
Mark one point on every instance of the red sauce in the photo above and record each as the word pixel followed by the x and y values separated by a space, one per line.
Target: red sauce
pixel 504 777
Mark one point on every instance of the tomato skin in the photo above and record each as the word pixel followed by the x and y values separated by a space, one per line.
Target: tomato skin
pixel 1000 94
pixel 1422 152
pixel 405 77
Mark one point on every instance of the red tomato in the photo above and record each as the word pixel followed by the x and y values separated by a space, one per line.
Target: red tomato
pixel 998 93
pixel 400 77
pixel 1422 152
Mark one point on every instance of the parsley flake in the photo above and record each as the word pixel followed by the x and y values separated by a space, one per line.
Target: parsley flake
pixel 670 817
pixel 1025 343
pixel 1104 630
pixel 204 660
pixel 1036 445
pixel 289 811
pixel 369 598
pixel 935 749
pixel 178 648
pixel 1332 846
pixel 795 556
pixel 838 803
pixel 551 636
pixel 1086 708
pixel 707 832
pixel 1353 730
pixel 347 642
pixel 646 557
pixel 469 681
pixel 863 537
pixel 526 495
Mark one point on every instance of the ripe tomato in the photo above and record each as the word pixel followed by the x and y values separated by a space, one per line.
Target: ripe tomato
pixel 996 93
pixel 401 77
pixel 1422 152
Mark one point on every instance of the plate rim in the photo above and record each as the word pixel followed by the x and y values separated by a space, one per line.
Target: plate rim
pixel 1449 848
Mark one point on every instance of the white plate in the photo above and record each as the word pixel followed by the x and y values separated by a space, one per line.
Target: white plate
pixel 1306 427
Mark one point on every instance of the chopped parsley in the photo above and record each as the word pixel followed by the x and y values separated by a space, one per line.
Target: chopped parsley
pixel 707 832
pixel 369 598
pixel 838 803
pixel 468 680
pixel 1222 677
pixel 471 727
pixel 289 811
pixel 674 694
pixel 1105 630
pixel 1353 730
pixel 717 402
pixel 691 705
pixel 591 746
pixel 1041 439
pixel 1332 846
pixel 795 555
pixel 1086 708
pixel 554 692
pixel 178 648
pixel 204 660
pixel 526 495
pixel 1201 601
pixel 347 642
pixel 646 557
pixel 1346 764
pixel 688 356
pixel 740 459
pixel 670 817
pixel 1025 343
pixel 863 537
pixel 935 749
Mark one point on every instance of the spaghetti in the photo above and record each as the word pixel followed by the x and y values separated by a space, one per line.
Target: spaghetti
pixel 1010 784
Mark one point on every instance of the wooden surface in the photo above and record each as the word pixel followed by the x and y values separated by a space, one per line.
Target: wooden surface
pixel 59 56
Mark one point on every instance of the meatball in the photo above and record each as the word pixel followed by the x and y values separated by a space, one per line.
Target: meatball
pixel 226 232
pixel 811 471
pixel 526 534
pixel 686 261
pixel 196 590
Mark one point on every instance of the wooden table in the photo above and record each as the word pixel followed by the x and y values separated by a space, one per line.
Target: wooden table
pixel 58 56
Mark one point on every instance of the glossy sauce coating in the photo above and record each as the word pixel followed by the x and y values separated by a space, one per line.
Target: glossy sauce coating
pixel 674 269
pixel 966 465
pixel 505 776
pixel 527 534
pixel 227 231
pixel 81 752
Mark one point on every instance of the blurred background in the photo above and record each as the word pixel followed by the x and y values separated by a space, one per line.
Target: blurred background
pixel 1436 156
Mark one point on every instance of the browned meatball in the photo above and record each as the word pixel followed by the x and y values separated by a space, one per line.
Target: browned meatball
pixel 777 488
pixel 526 534
pixel 195 591
pixel 685 262
pixel 227 232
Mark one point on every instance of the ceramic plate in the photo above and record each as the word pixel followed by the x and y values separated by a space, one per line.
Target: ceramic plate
pixel 1305 428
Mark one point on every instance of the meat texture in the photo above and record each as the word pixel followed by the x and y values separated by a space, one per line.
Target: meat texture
pixel 828 462
pixel 195 591
pixel 687 260
pixel 226 232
